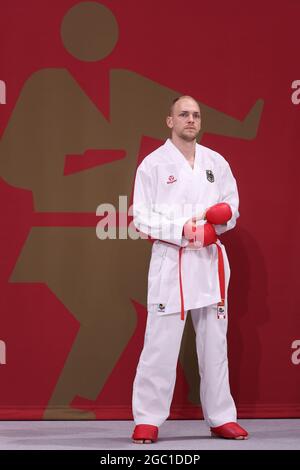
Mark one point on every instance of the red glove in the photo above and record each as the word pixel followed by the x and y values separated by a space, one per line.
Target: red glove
pixel 219 213
pixel 201 235
pixel 210 235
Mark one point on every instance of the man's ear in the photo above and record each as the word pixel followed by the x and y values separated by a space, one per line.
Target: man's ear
pixel 169 122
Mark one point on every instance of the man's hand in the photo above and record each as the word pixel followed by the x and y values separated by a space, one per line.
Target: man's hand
pixel 199 235
pixel 189 229
pixel 190 226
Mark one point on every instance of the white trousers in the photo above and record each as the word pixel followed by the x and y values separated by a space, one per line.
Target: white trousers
pixel 155 378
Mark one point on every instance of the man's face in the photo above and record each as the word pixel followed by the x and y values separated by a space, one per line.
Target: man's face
pixel 185 120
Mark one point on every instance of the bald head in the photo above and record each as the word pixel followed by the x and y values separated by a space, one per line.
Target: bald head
pixel 179 99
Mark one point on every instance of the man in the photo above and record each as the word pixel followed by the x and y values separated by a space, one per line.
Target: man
pixel 184 196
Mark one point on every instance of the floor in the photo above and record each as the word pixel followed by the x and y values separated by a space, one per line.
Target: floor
pixel 265 434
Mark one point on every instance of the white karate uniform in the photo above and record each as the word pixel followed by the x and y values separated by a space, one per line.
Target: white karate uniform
pixel 167 193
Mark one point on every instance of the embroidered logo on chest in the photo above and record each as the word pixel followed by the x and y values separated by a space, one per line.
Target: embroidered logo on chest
pixel 171 179
pixel 210 176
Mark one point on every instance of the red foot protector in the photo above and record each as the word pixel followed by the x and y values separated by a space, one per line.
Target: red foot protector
pixel 145 432
pixel 229 431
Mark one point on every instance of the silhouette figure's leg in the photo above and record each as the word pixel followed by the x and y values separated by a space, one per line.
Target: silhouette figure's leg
pixel 216 400
pixel 91 360
pixel 156 372
pixel 93 280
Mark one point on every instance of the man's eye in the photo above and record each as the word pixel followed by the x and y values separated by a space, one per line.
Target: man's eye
pixel 196 116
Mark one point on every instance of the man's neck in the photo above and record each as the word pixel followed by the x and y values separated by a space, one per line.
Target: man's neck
pixel 186 148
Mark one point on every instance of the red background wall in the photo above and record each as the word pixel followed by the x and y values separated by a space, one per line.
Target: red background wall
pixel 227 55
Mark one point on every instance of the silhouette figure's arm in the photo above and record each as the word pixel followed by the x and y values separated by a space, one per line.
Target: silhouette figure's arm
pixel 53 117
pixel 140 103
pixel 216 122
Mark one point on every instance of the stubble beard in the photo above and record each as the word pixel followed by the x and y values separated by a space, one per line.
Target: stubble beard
pixel 189 137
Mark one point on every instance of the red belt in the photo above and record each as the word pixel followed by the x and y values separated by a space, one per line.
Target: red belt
pixel 220 272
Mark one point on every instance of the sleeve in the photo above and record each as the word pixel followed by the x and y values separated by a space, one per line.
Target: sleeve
pixel 153 220
pixel 229 194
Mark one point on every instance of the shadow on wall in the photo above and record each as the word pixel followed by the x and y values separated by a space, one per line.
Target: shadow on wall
pixel 248 310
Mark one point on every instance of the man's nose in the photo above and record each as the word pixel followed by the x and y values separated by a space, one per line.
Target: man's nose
pixel 191 117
